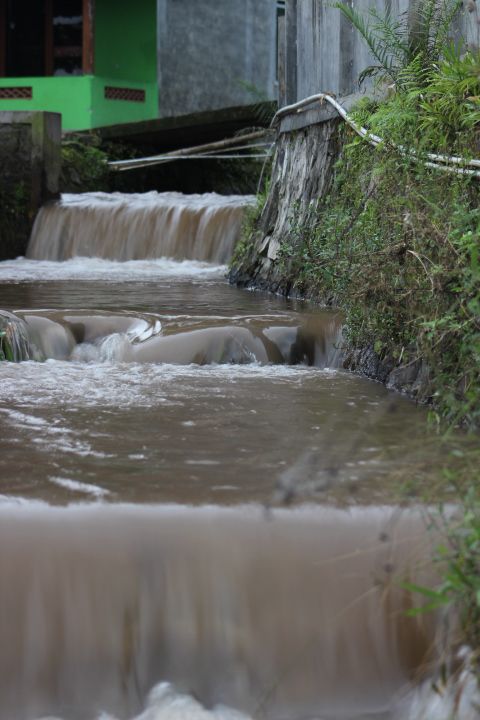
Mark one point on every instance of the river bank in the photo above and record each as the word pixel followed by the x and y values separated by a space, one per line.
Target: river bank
pixel 394 245
pixel 401 265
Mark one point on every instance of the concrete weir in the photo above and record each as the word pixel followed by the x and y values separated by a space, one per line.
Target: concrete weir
pixel 30 157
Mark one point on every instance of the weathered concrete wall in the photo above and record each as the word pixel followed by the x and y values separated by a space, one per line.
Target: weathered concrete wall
pixel 325 53
pixel 322 52
pixel 209 50
pixel 302 170
pixel 302 173
pixel 30 159
pixel 330 52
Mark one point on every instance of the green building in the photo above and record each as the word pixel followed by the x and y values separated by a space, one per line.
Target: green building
pixel 95 62
pixel 108 62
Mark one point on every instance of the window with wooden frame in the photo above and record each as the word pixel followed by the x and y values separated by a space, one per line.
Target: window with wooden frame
pixel 65 44
pixel 46 37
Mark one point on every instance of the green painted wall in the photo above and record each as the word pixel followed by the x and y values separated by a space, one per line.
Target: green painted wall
pixel 70 96
pixel 81 100
pixel 126 40
pixel 115 112
pixel 125 56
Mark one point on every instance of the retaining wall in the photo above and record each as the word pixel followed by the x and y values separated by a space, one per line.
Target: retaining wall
pixel 30 158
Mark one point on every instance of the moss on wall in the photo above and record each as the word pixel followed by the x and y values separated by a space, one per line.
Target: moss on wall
pixel 15 218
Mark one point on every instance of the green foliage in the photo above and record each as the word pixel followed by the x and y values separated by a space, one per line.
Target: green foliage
pixel 84 167
pixel 435 82
pixel 249 227
pixel 458 561
pixel 13 201
pixel 6 352
pixel 411 43
pixel 396 245
pixel 14 217
pixel 442 114
pixel 449 105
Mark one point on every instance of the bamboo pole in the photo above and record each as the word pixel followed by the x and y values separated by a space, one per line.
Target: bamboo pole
pixel 119 165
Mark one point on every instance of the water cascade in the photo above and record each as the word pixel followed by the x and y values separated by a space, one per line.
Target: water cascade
pixel 130 227
pixel 275 616
pixel 134 337
pixel 158 558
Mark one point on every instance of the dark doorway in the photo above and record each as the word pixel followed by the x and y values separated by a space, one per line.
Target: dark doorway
pixel 41 38
pixel 25 38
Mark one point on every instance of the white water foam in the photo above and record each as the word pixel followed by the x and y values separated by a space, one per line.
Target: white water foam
pixel 107 271
pixel 454 698
pixel 74 384
pixel 113 348
pixel 166 703
pixel 51 435
pixel 16 501
pixel 80 487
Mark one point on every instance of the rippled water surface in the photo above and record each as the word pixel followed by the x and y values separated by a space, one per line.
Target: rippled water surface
pixel 151 566
pixel 217 433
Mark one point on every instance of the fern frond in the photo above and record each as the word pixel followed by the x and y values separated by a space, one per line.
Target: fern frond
pixel 370 71
pixel 393 34
pixel 443 26
pixel 376 46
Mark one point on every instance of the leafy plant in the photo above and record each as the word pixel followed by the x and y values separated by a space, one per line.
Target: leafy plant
pixel 84 167
pixel 5 348
pixel 458 561
pixel 249 226
pixel 450 102
pixel 412 43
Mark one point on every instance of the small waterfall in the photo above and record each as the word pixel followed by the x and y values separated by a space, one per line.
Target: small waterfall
pixel 139 337
pixel 286 615
pixel 138 226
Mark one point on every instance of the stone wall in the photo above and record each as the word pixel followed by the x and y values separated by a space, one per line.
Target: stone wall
pixel 30 159
pixel 302 169
pixel 302 172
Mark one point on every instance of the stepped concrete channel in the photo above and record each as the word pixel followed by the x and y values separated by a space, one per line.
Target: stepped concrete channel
pixel 199 509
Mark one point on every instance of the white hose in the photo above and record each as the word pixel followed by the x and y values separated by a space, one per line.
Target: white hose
pixel 446 161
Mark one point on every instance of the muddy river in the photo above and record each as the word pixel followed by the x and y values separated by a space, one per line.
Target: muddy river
pixel 199 509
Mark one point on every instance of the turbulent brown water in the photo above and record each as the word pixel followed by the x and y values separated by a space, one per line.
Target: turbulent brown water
pixel 292 615
pixel 198 508
pixel 150 225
